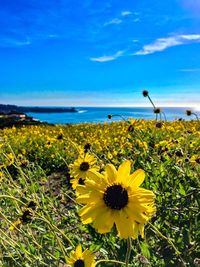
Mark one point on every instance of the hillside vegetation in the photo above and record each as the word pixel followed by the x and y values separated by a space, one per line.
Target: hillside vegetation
pixel 40 220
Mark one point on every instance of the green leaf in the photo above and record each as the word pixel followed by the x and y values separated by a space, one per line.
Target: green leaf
pixel 181 190
pixel 145 250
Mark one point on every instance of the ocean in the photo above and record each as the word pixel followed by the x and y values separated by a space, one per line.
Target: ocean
pixel 100 114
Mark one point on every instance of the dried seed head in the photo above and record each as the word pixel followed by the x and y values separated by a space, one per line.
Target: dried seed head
pixel 87 147
pixel 158 124
pixel 142 259
pixel 60 137
pixel 145 93
pixel 197 262
pixel 156 110
pixel 130 128
pixel 188 112
pixel 178 153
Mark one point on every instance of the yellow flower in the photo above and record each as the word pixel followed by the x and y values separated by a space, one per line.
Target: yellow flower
pixel 81 168
pixel 79 258
pixel 115 197
pixel 195 159
pixel 14 225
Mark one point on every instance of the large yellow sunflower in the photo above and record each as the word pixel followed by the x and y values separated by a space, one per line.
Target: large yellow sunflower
pixel 79 258
pixel 116 198
pixel 81 168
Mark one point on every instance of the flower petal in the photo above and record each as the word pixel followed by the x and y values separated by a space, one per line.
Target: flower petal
pixel 79 251
pixel 136 178
pixel 124 225
pixel 124 171
pixel 111 173
pixel 104 221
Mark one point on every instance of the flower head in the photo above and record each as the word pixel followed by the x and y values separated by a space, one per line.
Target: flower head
pixel 188 112
pixel 145 93
pixel 159 124
pixel 81 168
pixel 156 110
pixel 115 197
pixel 79 258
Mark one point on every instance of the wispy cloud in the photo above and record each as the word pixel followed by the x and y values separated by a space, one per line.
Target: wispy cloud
pixel 113 21
pixel 107 58
pixel 136 20
pixel 10 42
pixel 190 70
pixel 126 13
pixel 161 44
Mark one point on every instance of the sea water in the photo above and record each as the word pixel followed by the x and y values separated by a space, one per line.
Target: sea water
pixel 100 114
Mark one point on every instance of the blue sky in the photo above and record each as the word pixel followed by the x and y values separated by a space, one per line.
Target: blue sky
pixel 99 53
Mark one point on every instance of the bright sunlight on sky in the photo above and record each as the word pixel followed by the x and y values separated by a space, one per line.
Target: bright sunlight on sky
pixel 99 53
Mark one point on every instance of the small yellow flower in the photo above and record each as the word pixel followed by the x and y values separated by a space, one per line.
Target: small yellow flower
pixel 109 155
pixel 81 168
pixel 79 258
pixel 14 225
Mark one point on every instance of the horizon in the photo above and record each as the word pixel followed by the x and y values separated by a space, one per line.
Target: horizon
pixel 111 106
pixel 89 53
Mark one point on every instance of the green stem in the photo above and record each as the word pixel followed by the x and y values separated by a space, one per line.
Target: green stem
pixel 128 252
pixel 117 115
pixel 7 196
pixel 155 230
pixel 195 115
pixel 112 261
pixel 164 115
pixel 151 101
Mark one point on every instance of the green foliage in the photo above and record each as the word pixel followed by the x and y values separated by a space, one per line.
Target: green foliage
pixel 34 166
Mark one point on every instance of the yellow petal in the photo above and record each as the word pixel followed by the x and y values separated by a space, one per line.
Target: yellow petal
pixel 89 213
pixel 14 225
pixel 111 173
pixel 124 225
pixel 95 176
pixel 104 221
pixel 79 251
pixel 124 170
pixel 136 178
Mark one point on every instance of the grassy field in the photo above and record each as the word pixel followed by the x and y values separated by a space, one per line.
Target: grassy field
pixel 40 222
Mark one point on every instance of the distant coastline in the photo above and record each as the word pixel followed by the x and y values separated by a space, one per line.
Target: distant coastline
pixel 13 108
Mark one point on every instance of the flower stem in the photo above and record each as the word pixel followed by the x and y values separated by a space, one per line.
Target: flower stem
pixel 117 115
pixel 151 101
pixel 164 115
pixel 195 116
pixel 128 252
pixel 111 261
pixel 155 230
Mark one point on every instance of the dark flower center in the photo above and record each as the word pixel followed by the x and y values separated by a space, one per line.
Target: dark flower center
pixel 197 160
pixel 84 166
pixel 79 263
pixel 27 216
pixel 86 147
pixel 116 197
pixel 81 181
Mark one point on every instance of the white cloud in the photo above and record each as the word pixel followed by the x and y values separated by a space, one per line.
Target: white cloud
pixel 126 13
pixel 113 21
pixel 161 44
pixel 190 36
pixel 9 42
pixel 107 58
pixel 136 20
pixel 191 70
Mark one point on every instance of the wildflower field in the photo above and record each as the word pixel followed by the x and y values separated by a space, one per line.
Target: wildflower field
pixel 113 194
